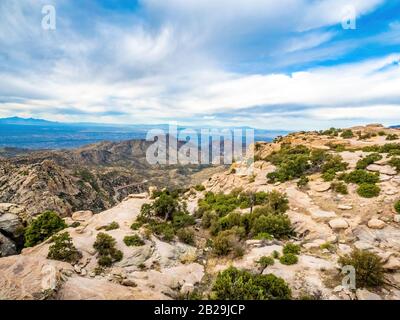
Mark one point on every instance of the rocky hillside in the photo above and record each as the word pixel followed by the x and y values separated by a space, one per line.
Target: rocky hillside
pixel 310 204
pixel 94 177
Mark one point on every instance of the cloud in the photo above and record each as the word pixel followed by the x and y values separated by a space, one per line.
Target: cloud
pixel 219 62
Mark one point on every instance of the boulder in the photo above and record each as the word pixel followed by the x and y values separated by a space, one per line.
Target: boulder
pixel 11 224
pixel 321 215
pixel 345 207
pixel 376 224
pixel 338 223
pixel 387 170
pixel 320 186
pixel 364 294
pixel 7 247
pixel 82 215
pixel 392 264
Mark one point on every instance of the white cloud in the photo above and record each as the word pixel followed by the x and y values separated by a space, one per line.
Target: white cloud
pixel 174 62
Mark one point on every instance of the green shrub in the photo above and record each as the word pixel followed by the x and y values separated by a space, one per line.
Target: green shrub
pixel 370 159
pixel 278 226
pixel 303 181
pixel 339 187
pixel 163 229
pixel 347 134
pixel 63 249
pixel 395 162
pixel 165 206
pixel 234 284
pixel 200 187
pixel 136 225
pixel 208 219
pixel 391 148
pixel 368 190
pixel 112 226
pixel 181 220
pixel 263 236
pixel 334 163
pixel 107 253
pixel 368 267
pixel 397 206
pixel 265 262
pixel 288 259
pixel 275 254
pixel 133 240
pixel 361 176
pixel 43 227
pixel 329 175
pixel 291 248
pixel 225 223
pixel 391 137
pixel 186 235
pixel 227 242
pixel 74 224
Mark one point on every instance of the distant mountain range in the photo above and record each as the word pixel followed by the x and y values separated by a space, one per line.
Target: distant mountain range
pixel 33 133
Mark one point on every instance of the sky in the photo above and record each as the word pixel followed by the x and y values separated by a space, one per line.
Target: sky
pixel 287 64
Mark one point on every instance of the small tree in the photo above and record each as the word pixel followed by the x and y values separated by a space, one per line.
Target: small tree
pixel 107 253
pixel 43 227
pixel 368 267
pixel 63 249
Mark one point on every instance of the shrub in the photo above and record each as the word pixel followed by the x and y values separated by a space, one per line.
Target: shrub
pixel 391 137
pixel 263 236
pixel 370 159
pixel 112 226
pixel 136 225
pixel 107 253
pixel 63 249
pixel 391 148
pixel 234 284
pixel 291 248
pixel 361 176
pixel 347 134
pixel 74 224
pixel 200 187
pixel 329 175
pixel 397 206
pixel 334 164
pixel 227 242
pixel 278 226
pixel 265 262
pixel 181 220
pixel 133 240
pixel 395 162
pixel 368 267
pixel 43 227
pixel 288 259
pixel 163 229
pixel 226 223
pixel 275 254
pixel 303 181
pixel 339 187
pixel 208 218
pixel 186 235
pixel 165 205
pixel 368 190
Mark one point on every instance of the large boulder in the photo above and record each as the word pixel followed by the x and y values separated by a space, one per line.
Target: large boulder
pixel 7 247
pixel 11 229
